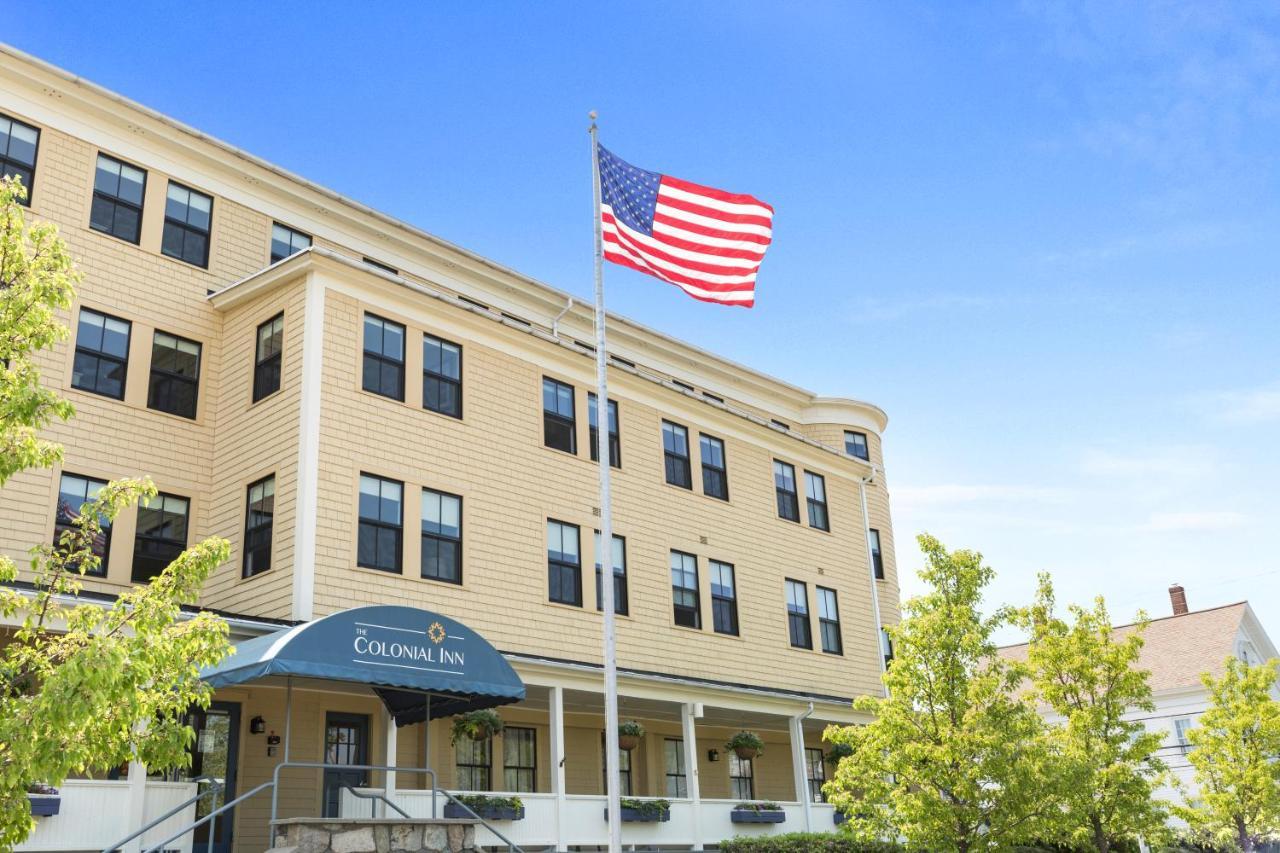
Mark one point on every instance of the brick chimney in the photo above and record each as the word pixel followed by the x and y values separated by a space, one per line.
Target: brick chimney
pixel 1178 598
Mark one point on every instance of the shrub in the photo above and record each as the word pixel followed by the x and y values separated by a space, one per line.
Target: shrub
pixel 838 751
pixel 758 807
pixel 804 842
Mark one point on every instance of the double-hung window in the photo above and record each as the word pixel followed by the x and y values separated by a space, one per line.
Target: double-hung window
pixel 886 646
pixel 798 615
pixel 162 535
pixel 559 423
pixel 673 763
pixel 675 450
pixel 117 199
pixel 267 356
pixel 742 785
pixel 615 445
pixel 188 216
pixel 715 476
pixel 519 759
pixel 815 490
pixel 285 241
pixel 877 557
pixel 102 354
pixel 684 589
pixel 379 539
pixel 624 769
pixel 784 483
pixel 724 598
pixel 564 563
pixel 18 144
pixel 383 357
pixel 855 444
pixel 74 492
pixel 619 575
pixel 1181 728
pixel 441 536
pixel 175 375
pixel 829 621
pixel 816 772
pixel 474 760
pixel 441 376
pixel 257 526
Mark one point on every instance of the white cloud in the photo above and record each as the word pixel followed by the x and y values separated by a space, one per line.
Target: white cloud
pixel 957 494
pixel 1165 522
pixel 1248 407
pixel 1190 460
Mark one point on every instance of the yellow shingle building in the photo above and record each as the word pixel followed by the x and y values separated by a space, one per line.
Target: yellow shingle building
pixel 374 416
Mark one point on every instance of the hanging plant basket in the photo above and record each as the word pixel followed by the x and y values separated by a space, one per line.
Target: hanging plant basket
pixel 476 725
pixel 746 745
pixel 629 734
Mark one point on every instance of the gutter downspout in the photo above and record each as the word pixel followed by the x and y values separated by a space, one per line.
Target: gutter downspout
pixel 555 324
pixel 797 762
pixel 871 574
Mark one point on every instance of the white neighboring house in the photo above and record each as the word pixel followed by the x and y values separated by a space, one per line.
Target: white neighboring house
pixel 1177 650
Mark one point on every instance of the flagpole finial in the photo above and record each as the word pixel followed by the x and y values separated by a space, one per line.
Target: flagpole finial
pixel 592 115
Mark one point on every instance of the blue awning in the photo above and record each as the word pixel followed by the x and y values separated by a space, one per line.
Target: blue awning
pixel 402 653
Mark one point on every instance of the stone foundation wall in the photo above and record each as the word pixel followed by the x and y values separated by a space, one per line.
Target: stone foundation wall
pixel 389 835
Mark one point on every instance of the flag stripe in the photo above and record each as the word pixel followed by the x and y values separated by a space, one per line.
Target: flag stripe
pixel 692 218
pixel 670 201
pixel 708 273
pixel 705 231
pixel 712 192
pixel 679 275
pixel 688 250
pixel 745 298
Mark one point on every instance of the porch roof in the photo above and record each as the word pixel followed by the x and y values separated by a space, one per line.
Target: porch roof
pixel 403 653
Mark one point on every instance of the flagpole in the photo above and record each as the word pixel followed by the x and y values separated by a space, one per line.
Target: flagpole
pixel 605 552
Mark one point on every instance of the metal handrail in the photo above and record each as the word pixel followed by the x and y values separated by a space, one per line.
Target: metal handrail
pixel 511 845
pixel 210 816
pixel 214 785
pixel 374 795
pixel 321 765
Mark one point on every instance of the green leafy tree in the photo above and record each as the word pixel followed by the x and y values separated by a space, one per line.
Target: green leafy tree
pixel 1107 766
pixel 953 759
pixel 82 686
pixel 1236 754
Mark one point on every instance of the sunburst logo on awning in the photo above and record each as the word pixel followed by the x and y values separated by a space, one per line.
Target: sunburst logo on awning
pixel 436 633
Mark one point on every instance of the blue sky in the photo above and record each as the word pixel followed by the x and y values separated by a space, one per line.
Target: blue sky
pixel 1041 236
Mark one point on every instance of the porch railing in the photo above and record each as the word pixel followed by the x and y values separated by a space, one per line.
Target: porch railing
pixel 215 786
pixel 274 785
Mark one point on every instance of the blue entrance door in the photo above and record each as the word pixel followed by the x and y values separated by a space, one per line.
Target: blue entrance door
pixel 346 738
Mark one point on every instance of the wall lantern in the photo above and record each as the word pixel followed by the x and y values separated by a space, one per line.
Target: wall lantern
pixel 257 726
pixel 713 755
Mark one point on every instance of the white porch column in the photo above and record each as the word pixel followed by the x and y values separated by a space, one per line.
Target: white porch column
pixel 796 725
pixel 688 713
pixel 557 759
pixel 389 782
pixel 137 780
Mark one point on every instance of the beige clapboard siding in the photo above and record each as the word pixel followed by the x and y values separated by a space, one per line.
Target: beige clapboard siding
pixel 511 483
pixel 255 440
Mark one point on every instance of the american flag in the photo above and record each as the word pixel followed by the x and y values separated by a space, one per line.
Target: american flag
pixel 707 242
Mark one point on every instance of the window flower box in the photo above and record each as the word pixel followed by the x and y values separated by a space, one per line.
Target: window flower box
pixel 45 800
pixel 757 813
pixel 644 811
pixel 486 808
